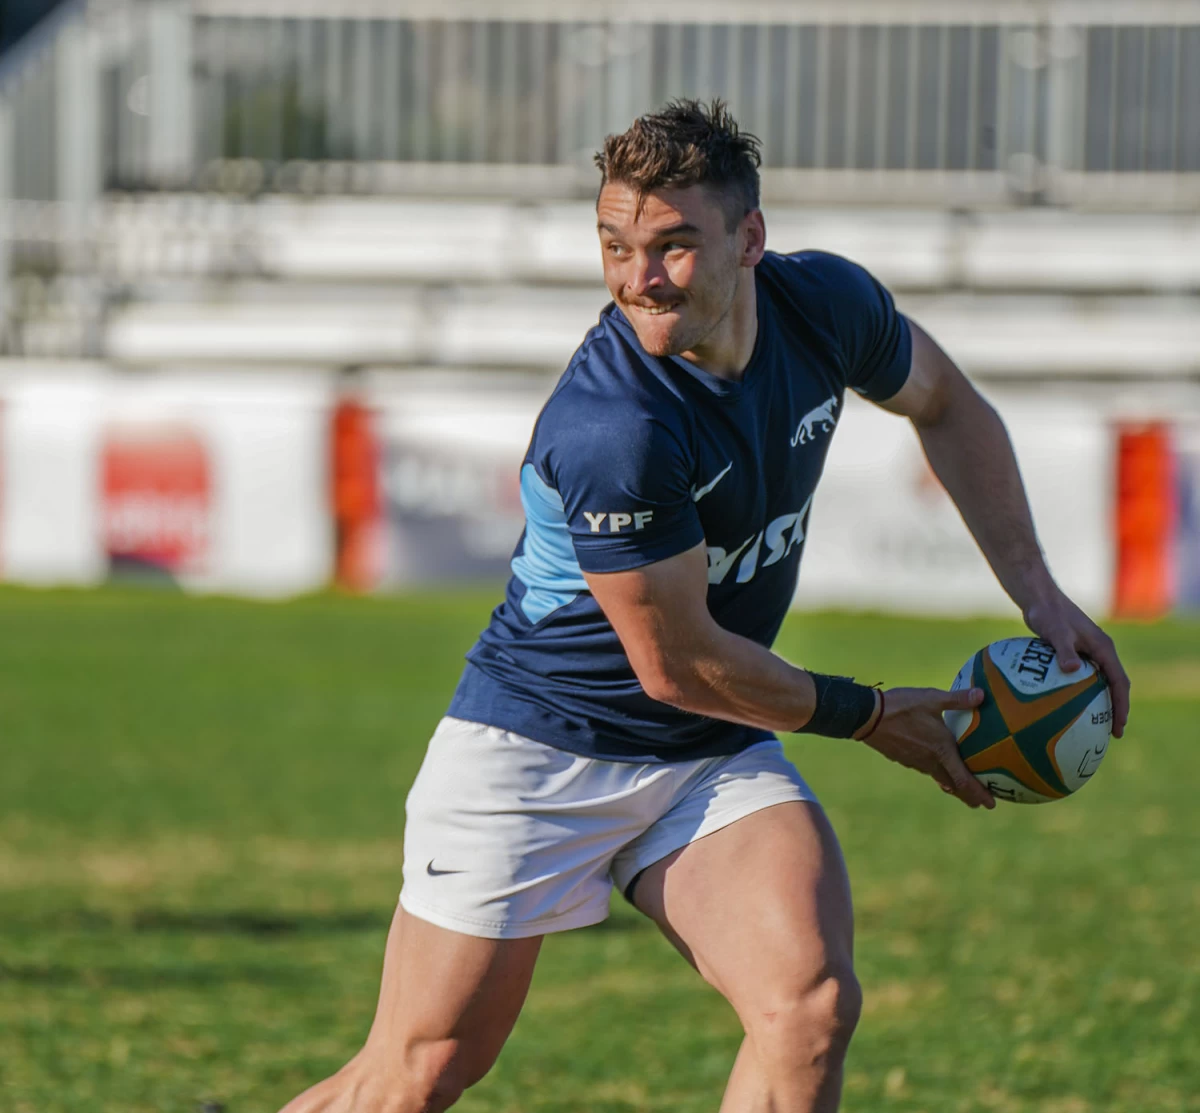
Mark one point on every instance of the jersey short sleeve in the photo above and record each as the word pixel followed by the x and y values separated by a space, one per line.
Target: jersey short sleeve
pixel 873 337
pixel 623 476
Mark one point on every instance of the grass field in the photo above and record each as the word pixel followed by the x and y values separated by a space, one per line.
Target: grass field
pixel 201 807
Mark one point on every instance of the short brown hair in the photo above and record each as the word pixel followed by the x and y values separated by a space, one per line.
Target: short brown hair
pixel 684 144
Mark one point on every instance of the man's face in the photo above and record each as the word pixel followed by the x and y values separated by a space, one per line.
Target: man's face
pixel 672 268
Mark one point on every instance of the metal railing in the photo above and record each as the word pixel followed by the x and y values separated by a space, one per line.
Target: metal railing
pixel 958 111
pixel 953 102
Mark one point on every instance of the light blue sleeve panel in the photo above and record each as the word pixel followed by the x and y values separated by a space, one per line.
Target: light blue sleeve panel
pixel 546 565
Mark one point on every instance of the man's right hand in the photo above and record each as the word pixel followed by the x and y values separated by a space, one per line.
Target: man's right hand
pixel 913 733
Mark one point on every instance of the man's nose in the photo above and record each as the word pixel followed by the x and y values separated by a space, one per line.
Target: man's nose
pixel 647 274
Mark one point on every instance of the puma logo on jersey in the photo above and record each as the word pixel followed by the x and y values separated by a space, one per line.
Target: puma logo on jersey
pixel 617 522
pixel 780 537
pixel 819 420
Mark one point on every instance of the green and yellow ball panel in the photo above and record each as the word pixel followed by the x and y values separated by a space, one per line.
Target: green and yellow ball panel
pixel 1040 733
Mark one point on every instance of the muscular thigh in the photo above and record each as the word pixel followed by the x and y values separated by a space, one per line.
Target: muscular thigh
pixel 762 903
pixel 440 985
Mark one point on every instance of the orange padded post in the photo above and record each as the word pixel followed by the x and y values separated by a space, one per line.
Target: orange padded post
pixel 355 495
pixel 1146 521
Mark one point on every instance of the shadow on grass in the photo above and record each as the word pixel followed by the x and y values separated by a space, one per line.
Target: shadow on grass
pixel 186 973
pixel 237 922
pixel 185 921
pixel 246 922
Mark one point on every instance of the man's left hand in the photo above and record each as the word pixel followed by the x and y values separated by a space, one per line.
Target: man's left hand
pixel 1073 635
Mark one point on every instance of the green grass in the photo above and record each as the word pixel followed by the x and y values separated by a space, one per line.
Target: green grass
pixel 201 809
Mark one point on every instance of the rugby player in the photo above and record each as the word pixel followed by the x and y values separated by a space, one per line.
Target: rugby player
pixel 615 722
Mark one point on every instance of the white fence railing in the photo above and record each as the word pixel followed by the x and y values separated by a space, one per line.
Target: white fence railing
pixel 954 102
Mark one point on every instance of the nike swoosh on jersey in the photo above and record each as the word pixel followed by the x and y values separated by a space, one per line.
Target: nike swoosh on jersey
pixel 699 492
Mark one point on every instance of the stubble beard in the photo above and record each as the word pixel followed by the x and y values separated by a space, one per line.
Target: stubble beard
pixel 700 335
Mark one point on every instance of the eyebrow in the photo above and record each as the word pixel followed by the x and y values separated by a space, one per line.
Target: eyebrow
pixel 683 228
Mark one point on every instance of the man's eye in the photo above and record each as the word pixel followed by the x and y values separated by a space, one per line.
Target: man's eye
pixel 616 249
pixel 673 246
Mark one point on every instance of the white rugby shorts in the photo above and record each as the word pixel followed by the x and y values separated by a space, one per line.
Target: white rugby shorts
pixel 507 837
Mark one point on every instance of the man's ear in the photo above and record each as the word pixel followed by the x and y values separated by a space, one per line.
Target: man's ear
pixel 753 233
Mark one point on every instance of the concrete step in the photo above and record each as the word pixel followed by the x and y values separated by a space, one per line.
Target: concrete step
pixel 381 240
pixel 538 328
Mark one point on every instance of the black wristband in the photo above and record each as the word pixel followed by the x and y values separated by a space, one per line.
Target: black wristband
pixel 843 707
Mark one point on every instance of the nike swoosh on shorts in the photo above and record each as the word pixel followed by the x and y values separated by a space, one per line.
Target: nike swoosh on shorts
pixel 439 873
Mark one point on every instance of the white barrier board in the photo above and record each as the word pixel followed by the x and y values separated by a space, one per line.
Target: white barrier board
pixel 230 473
pixel 218 481
pixel 885 535
pixel 49 504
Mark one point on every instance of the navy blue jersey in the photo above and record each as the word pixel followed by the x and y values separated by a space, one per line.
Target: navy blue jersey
pixel 635 459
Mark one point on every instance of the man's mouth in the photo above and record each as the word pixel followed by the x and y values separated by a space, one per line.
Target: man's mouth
pixel 655 310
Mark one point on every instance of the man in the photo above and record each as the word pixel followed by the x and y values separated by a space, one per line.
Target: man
pixel 614 721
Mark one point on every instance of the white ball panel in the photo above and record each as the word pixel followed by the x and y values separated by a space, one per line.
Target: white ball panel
pixel 1031 667
pixel 1080 750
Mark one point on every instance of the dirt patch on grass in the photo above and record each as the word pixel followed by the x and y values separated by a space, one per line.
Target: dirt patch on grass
pixel 900 996
pixel 183 862
pixel 116 867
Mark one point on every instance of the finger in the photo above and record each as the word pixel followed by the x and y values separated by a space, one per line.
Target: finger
pixel 1066 648
pixel 962 700
pixel 966 787
pixel 947 785
pixel 1104 653
pixel 943 779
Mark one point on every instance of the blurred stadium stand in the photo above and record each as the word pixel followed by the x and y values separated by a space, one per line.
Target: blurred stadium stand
pixel 185 180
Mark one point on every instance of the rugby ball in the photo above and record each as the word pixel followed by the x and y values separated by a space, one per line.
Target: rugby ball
pixel 1040 733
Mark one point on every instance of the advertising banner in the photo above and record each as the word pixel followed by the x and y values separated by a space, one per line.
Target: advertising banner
pixel 450 457
pixel 157 504
pixel 1187 562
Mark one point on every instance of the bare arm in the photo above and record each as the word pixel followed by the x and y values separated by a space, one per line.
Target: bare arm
pixel 969 450
pixel 684 658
